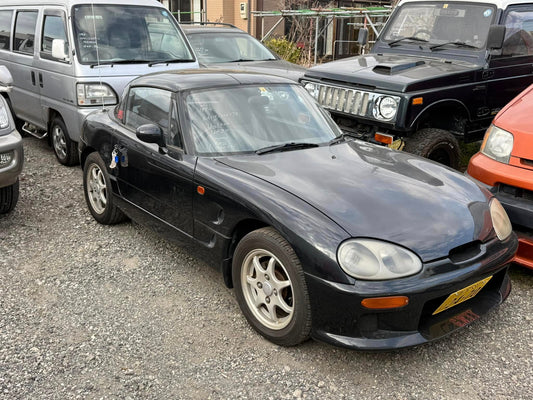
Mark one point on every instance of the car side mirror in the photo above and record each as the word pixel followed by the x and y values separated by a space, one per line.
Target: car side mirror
pixel 59 50
pixel 495 37
pixel 151 133
pixel 362 36
pixel 6 80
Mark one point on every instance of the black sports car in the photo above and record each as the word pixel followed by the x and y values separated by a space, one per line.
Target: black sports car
pixel 320 234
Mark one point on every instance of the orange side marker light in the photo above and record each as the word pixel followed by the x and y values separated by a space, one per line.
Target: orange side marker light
pixel 383 303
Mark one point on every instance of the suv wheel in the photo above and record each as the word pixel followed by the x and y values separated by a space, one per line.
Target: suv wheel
pixel 436 144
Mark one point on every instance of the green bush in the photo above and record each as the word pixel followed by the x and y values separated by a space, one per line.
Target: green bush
pixel 285 49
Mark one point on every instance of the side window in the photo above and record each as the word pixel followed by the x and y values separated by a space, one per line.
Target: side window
pixel 25 31
pixel 5 29
pixel 53 28
pixel 519 33
pixel 148 106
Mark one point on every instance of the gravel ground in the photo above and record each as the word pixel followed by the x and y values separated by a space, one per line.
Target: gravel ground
pixel 96 312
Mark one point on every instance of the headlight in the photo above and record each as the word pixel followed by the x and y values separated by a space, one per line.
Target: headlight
pixel 500 220
pixel 498 144
pixel 4 117
pixel 386 108
pixel 312 89
pixel 95 94
pixel 6 158
pixel 376 260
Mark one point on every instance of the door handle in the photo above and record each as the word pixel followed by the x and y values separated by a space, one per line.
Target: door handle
pixel 41 80
pixel 33 78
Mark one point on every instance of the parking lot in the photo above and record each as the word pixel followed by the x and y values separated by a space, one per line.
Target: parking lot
pixel 93 311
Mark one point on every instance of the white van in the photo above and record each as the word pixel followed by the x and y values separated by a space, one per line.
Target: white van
pixel 68 57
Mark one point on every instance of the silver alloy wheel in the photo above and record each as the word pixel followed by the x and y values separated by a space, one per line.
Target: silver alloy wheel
pixel 267 289
pixel 96 189
pixel 60 142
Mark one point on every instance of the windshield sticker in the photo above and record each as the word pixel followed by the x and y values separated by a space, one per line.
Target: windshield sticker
pixel 164 13
pixel 487 13
pixel 445 6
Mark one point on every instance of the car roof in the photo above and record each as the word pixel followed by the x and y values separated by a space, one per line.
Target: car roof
pixel 178 80
pixel 502 4
pixel 69 3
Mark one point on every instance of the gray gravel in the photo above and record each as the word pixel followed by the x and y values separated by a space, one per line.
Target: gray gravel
pixel 89 311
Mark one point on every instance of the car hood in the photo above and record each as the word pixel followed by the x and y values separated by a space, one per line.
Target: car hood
pixel 399 73
pixel 273 67
pixel 371 191
pixel 516 118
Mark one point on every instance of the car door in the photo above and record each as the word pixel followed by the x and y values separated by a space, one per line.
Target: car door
pixel 25 95
pixel 159 182
pixel 512 71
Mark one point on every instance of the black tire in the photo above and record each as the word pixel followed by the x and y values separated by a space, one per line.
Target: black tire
pixel 98 191
pixel 9 197
pixel 270 287
pixel 436 144
pixel 65 149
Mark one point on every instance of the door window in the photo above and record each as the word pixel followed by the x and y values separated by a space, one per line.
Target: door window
pixel 25 31
pixel 519 33
pixel 148 106
pixel 53 28
pixel 5 29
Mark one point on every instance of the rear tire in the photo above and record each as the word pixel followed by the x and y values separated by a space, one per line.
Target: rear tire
pixel 9 196
pixel 98 191
pixel 436 144
pixel 65 149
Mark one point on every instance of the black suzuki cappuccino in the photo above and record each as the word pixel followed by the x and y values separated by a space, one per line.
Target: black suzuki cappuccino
pixel 320 234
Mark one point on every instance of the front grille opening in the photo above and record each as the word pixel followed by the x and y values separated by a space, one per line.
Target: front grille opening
pixel 465 252
pixel 516 192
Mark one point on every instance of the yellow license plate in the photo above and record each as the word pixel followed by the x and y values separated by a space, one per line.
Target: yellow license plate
pixel 462 295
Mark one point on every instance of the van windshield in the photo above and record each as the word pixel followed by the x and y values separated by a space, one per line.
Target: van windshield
pixel 106 34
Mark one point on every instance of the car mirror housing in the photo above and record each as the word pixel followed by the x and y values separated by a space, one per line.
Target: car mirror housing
pixel 495 37
pixel 59 50
pixel 151 133
pixel 6 80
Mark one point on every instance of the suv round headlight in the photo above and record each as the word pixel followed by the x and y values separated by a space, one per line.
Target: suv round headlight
pixel 500 220
pixel 498 144
pixel 372 259
pixel 388 107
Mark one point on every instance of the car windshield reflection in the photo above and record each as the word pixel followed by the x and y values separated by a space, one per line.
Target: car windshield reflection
pixel 245 119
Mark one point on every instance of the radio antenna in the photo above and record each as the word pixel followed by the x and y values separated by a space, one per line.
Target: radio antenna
pixel 97 53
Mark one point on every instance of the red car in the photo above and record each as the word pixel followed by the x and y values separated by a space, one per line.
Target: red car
pixel 504 164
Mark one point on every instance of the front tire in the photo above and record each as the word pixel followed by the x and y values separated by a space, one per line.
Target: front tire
pixel 65 149
pixel 270 287
pixel 9 196
pixel 98 191
pixel 436 144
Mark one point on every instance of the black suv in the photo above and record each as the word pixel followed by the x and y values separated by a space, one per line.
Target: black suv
pixel 439 70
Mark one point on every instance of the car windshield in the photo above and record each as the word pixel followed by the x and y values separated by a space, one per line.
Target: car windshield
pixel 247 119
pixel 441 24
pixel 106 34
pixel 214 47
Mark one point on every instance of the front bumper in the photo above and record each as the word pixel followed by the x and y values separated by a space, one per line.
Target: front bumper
pixel 11 143
pixel 340 319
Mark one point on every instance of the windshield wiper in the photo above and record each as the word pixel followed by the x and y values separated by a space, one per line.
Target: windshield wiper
pixel 416 39
pixel 456 43
pixel 242 60
pixel 170 61
pixel 343 137
pixel 285 147
pixel 113 62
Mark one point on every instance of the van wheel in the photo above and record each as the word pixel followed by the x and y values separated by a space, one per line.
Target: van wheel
pixel 65 148
pixel 9 196
pixel 436 144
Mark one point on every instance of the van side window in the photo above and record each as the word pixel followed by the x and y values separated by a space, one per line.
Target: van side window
pixel 519 33
pixel 53 28
pixel 5 29
pixel 148 106
pixel 25 31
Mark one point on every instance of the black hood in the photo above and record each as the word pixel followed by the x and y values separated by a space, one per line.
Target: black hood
pixel 375 192
pixel 398 73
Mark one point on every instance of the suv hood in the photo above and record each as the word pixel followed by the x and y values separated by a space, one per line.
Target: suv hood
pixel 398 73
pixel 371 191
